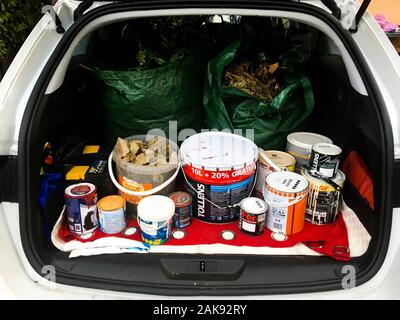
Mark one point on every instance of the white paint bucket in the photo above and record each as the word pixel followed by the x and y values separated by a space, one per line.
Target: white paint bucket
pixel 155 217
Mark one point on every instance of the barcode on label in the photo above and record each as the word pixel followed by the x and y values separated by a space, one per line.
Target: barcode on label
pixel 277 226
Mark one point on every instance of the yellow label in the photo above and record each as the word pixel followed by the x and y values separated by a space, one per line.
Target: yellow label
pixel 90 149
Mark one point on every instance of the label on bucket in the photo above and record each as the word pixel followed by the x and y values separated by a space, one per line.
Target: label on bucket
pixel 155 232
pixel 133 186
pixel 221 195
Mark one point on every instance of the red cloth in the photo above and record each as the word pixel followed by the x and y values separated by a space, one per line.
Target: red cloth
pixel 357 173
pixel 330 240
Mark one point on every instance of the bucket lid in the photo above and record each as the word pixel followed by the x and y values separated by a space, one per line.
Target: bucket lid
pixel 181 199
pixel 253 205
pixel 286 181
pixel 327 148
pixel 79 190
pixel 111 203
pixel 280 158
pixel 156 208
pixel 306 139
pixel 218 151
pixel 339 178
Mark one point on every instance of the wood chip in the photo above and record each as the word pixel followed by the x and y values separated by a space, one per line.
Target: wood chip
pixel 122 147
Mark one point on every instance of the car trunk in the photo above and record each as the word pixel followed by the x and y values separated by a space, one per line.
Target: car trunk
pixel 352 120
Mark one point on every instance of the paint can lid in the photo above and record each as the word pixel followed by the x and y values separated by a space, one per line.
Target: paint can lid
pixel 253 205
pixel 327 148
pixel 306 139
pixel 79 190
pixel 178 234
pixel 280 158
pixel 156 208
pixel 111 203
pixel 181 199
pixel 339 178
pixel 218 151
pixel 129 231
pixel 228 235
pixel 286 181
pixel 278 236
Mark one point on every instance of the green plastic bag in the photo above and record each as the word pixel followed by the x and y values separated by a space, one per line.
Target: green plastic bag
pixel 135 102
pixel 229 108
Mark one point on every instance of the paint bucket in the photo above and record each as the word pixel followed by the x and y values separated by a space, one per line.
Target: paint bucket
pixel 282 160
pixel 183 209
pixel 324 200
pixel 286 195
pixel 325 158
pixel 299 145
pixel 252 216
pixel 219 170
pixel 81 207
pixel 111 211
pixel 137 181
pixel 155 216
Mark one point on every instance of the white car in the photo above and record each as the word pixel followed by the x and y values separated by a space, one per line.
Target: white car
pixel 355 72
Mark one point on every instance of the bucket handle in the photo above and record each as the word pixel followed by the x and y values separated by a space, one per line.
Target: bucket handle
pixel 214 204
pixel 282 205
pixel 139 193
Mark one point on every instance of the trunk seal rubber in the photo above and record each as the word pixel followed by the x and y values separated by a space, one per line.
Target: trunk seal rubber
pixel 34 102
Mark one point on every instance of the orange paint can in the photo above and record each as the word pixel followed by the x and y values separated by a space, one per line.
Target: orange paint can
pixel 286 195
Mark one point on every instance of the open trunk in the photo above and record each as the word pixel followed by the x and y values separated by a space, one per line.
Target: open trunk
pixel 352 120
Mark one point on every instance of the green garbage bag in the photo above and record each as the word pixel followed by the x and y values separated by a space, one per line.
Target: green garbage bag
pixel 135 102
pixel 229 108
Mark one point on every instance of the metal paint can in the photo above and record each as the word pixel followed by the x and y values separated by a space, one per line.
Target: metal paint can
pixel 81 207
pixel 252 216
pixel 299 145
pixel 324 200
pixel 283 160
pixel 183 209
pixel 112 217
pixel 286 195
pixel 325 158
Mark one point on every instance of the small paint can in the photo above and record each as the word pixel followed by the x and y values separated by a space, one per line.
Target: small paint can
pixel 81 207
pixel 324 200
pixel 286 195
pixel 183 209
pixel 112 217
pixel 155 216
pixel 252 216
pixel 325 158
pixel 283 160
pixel 299 145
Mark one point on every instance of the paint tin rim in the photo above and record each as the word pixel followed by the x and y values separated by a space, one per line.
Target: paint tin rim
pixel 187 202
pixel 291 138
pixel 228 232
pixel 289 175
pixel 69 190
pixel 290 160
pixel 334 149
pixel 117 207
pixel 249 210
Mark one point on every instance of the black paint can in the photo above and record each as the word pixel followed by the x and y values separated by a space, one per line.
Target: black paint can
pixel 325 158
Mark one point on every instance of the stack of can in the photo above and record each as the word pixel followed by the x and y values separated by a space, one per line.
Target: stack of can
pixel 325 183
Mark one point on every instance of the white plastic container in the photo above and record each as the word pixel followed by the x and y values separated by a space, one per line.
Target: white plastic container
pixel 299 145
pixel 155 216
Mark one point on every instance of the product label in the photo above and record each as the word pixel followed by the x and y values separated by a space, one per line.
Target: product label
pixel 112 221
pixel 325 164
pixel 82 215
pixel 154 232
pixel 223 196
pixel 252 223
pixel 277 216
